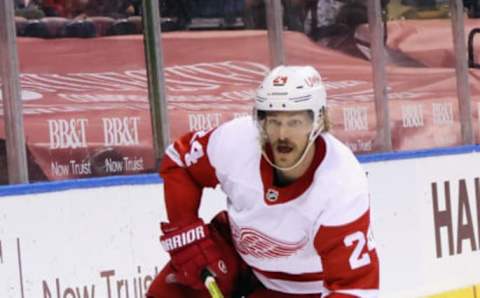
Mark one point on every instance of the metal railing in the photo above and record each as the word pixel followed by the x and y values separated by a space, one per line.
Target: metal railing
pixel 11 94
pixel 156 78
pixel 461 67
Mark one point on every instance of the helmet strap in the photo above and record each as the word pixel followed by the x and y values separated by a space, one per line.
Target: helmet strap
pixel 311 140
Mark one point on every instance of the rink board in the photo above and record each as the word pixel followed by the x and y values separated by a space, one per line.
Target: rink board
pixel 99 237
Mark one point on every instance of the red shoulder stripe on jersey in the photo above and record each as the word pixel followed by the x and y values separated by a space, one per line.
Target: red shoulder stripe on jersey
pixel 186 170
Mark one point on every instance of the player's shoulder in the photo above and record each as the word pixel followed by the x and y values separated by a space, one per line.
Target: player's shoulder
pixel 237 130
pixel 338 156
pixel 343 182
pixel 236 138
pixel 341 168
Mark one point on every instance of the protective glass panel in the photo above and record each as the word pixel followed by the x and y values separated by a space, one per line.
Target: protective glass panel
pixel 420 60
pixel 422 88
pixel 215 59
pixel 422 80
pixel 321 33
pixel 83 80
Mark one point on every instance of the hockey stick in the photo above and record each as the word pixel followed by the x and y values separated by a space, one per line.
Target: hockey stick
pixel 211 284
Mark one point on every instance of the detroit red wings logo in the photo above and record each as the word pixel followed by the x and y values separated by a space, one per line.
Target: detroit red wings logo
pixel 249 241
pixel 280 81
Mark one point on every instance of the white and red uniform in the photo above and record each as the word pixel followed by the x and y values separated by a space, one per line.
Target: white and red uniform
pixel 311 236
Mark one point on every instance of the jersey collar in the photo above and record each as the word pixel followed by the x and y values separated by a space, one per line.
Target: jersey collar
pixel 277 194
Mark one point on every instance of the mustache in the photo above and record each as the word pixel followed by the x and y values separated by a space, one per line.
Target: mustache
pixel 284 146
pixel 285 142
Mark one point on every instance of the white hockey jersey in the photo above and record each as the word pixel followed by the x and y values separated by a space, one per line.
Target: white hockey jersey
pixel 312 236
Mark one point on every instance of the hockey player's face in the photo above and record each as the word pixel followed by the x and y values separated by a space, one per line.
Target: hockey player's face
pixel 287 133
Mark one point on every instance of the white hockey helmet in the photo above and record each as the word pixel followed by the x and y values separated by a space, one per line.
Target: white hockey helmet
pixel 292 88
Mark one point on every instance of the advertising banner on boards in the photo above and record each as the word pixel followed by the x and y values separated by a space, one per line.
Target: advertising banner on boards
pixel 103 240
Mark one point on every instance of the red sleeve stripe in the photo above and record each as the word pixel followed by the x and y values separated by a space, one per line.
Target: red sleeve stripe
pixel 174 156
pixel 311 276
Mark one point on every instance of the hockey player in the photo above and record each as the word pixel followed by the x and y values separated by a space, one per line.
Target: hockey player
pixel 298 209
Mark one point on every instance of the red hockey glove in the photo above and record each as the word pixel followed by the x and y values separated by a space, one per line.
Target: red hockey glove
pixel 192 249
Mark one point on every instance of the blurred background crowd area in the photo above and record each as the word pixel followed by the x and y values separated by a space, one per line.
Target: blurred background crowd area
pixel 316 18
